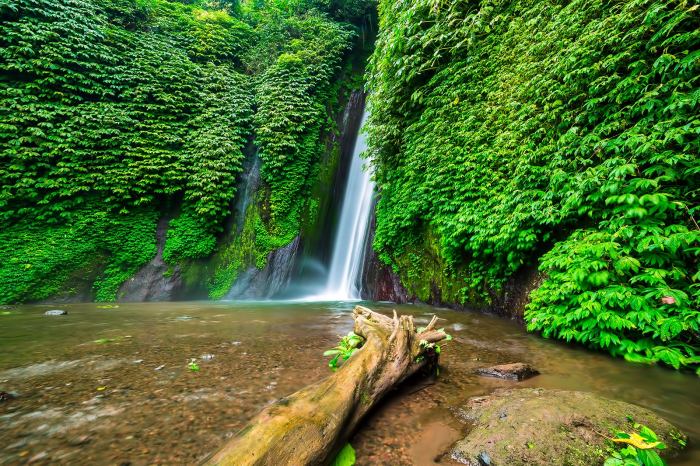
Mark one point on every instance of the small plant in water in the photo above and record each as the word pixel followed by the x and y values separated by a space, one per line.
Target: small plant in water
pixel 640 448
pixel 430 348
pixel 346 456
pixel 345 348
pixel 193 366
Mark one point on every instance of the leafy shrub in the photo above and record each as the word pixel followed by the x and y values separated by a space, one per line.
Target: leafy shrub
pixel 640 448
pixel 503 130
pixel 187 238
pixel 113 107
pixel 40 261
pixel 346 347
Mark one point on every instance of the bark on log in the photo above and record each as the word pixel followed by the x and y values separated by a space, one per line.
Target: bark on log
pixel 310 426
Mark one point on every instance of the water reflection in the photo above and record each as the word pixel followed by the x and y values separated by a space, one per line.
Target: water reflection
pixel 113 385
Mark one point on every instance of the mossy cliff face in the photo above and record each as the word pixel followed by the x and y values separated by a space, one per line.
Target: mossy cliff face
pixel 258 259
pixel 119 113
pixel 508 136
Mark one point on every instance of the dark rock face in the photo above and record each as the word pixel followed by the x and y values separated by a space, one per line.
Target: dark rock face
pixel 379 282
pixel 513 371
pixel 254 283
pixel 515 296
pixel 56 312
pixel 544 427
pixel 156 281
pixel 247 185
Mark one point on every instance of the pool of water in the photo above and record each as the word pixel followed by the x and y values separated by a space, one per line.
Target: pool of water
pixel 112 385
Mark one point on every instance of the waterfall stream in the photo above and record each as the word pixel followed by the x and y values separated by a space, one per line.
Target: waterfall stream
pixel 349 247
pixel 294 273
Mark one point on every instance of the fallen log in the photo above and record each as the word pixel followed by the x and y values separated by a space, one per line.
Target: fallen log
pixel 310 426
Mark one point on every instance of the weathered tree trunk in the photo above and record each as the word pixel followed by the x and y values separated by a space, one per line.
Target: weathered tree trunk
pixel 310 426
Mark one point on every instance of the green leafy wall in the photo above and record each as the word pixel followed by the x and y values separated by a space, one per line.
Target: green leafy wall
pixel 509 133
pixel 114 113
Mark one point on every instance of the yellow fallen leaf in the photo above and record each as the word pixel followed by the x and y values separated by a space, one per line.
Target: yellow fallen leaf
pixel 636 441
pixel 100 389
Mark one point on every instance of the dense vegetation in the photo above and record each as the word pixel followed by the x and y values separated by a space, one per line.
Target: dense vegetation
pixel 504 135
pixel 114 113
pixel 511 133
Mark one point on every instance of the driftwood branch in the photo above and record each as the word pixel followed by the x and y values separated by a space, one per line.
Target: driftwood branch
pixel 310 426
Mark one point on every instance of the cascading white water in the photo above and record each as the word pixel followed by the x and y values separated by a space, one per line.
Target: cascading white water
pixel 348 250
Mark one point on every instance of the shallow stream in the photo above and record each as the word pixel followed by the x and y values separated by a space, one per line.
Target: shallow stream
pixel 111 385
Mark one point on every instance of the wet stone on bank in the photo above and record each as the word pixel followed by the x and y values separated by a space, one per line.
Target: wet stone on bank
pixel 513 371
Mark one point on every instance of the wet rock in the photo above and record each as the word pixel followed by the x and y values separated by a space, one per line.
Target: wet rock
pixel 38 457
pixel 56 312
pixel 513 371
pixel 17 445
pixel 484 459
pixel 255 283
pixel 515 295
pixel 155 281
pixel 379 281
pixel 545 427
pixel 79 440
pixel 7 396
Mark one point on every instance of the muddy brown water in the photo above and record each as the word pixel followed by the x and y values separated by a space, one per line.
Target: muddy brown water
pixel 112 385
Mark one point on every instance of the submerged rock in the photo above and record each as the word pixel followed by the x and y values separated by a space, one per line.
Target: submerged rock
pixel 255 283
pixel 56 312
pixel 513 371
pixel 545 427
pixel 7 396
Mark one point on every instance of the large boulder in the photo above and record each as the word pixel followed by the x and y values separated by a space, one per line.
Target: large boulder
pixel 512 371
pixel 533 426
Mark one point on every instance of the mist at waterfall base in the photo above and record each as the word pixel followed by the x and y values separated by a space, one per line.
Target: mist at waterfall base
pixel 341 279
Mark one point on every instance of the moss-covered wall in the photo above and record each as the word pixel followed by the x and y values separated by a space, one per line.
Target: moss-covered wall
pixel 118 113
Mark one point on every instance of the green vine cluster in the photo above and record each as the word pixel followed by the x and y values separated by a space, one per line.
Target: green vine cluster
pixel 112 108
pixel 566 133
pixel 40 261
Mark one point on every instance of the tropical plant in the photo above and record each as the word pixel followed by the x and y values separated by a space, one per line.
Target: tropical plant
pixel 639 448
pixel 347 346
pixel 512 135
pixel 117 112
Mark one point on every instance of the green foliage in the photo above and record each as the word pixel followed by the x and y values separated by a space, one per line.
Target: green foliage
pixel 347 346
pixel 193 366
pixel 430 349
pixel 40 261
pixel 187 238
pixel 113 107
pixel 501 130
pixel 346 456
pixel 106 100
pixel 291 99
pixel 640 449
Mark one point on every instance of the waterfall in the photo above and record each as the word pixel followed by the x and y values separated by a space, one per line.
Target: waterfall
pixel 348 250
